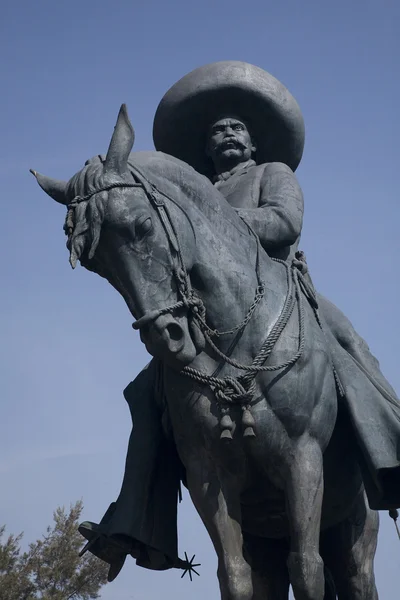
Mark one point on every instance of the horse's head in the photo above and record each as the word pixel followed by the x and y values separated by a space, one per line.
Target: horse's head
pixel 117 228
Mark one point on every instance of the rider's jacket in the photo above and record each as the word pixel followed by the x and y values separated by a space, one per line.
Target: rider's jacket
pixel 272 187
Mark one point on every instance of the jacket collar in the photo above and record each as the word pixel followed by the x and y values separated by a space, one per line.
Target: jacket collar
pixel 241 168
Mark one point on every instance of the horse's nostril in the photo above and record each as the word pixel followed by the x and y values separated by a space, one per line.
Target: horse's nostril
pixel 175 332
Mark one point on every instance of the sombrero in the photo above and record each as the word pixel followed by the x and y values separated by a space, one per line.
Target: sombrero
pixel 229 88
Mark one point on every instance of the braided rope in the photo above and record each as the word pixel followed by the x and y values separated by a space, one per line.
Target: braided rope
pixel 106 188
pixel 208 332
pixel 259 295
pixel 240 390
pixel 69 219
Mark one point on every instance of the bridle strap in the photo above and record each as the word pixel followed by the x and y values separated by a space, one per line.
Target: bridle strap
pixel 152 194
pixel 69 221
pixel 107 188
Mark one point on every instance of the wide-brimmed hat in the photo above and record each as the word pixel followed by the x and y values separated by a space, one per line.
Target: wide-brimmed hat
pixel 229 88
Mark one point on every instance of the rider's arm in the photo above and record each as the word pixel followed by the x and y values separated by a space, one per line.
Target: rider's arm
pixel 279 218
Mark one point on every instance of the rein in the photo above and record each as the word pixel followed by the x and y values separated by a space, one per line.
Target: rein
pixel 229 391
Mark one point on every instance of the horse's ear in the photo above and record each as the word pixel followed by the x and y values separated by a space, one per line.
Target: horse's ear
pixel 121 144
pixel 53 187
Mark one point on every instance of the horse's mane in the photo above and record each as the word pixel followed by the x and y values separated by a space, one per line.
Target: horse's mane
pixel 172 178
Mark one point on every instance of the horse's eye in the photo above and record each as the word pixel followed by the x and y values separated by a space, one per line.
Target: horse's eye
pixel 143 226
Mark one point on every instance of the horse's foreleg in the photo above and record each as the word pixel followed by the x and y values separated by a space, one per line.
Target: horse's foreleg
pixel 349 551
pixel 304 492
pixel 217 502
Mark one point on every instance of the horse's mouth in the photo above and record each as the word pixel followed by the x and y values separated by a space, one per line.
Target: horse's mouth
pixel 169 339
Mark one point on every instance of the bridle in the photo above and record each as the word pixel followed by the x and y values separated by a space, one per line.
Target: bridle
pixel 228 390
pixel 188 299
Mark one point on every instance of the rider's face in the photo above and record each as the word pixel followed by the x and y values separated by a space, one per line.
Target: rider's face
pixel 229 140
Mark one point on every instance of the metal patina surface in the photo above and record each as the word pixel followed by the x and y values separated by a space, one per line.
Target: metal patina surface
pixel 261 398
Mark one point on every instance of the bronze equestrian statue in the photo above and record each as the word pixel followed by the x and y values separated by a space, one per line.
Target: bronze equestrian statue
pixel 261 398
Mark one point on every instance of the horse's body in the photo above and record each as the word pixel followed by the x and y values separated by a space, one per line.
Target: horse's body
pixel 270 486
pixel 299 475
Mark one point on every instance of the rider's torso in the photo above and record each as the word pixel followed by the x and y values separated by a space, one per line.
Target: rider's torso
pixel 243 189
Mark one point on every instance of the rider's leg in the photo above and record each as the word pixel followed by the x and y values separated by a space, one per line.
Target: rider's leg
pixel 141 459
pixel 353 343
pixel 127 520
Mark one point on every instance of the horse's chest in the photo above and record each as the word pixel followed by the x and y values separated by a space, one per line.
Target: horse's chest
pixel 196 424
pixel 283 407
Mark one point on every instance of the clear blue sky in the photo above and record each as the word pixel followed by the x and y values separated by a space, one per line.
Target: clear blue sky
pixel 67 348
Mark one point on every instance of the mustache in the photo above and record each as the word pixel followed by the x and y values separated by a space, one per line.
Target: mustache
pixel 222 145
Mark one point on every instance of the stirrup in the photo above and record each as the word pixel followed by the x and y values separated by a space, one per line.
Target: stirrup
pixel 87 546
pixel 115 543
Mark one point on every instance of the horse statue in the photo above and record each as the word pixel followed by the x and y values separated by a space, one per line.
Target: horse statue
pixel 270 460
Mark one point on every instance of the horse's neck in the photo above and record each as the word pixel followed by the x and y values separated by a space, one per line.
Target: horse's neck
pixel 189 189
pixel 224 273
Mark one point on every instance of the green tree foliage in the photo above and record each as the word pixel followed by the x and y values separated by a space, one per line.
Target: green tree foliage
pixel 51 569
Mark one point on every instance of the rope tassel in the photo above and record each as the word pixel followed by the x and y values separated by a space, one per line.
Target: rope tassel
pixel 248 423
pixel 226 425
